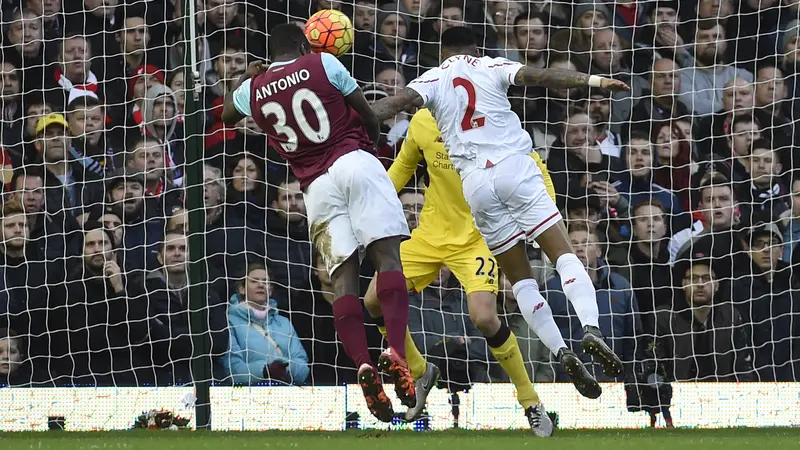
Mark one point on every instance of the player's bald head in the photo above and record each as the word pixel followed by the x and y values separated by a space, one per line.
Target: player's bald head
pixel 288 39
pixel 458 41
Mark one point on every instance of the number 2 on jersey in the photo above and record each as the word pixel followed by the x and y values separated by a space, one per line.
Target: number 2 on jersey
pixel 468 122
pixel 316 136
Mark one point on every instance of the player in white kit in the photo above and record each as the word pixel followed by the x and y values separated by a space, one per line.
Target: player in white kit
pixel 504 187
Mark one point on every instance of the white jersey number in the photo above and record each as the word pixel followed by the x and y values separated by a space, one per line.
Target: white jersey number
pixel 469 122
pixel 301 96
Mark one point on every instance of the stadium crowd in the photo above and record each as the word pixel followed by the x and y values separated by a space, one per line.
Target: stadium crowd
pixel 682 196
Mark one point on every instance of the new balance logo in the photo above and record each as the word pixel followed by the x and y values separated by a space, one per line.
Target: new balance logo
pixel 538 307
pixel 571 280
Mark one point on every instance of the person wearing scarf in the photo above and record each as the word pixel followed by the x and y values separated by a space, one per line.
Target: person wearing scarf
pixel 263 344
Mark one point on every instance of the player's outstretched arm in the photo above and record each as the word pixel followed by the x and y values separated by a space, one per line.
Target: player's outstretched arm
pixel 359 103
pixel 564 79
pixel 388 107
pixel 230 114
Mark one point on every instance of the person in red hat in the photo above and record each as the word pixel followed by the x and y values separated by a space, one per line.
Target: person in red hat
pixel 143 78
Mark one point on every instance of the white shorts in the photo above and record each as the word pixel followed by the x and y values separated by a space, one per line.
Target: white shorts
pixel 351 206
pixel 510 202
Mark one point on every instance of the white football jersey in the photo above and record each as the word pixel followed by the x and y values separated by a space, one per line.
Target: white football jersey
pixel 468 98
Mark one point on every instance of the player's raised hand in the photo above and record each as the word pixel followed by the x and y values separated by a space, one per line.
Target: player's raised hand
pixel 614 85
pixel 255 68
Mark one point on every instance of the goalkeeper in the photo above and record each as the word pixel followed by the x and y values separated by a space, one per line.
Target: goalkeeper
pixel 447 235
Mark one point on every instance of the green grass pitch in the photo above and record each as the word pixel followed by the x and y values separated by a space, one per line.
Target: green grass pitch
pixel 727 439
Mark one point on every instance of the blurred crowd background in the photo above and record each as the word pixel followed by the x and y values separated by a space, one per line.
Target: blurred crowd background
pixel 682 196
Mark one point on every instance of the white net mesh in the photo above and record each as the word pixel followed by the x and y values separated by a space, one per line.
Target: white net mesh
pixel 680 196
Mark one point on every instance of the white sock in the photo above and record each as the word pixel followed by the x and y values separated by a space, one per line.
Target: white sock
pixel 537 313
pixel 578 288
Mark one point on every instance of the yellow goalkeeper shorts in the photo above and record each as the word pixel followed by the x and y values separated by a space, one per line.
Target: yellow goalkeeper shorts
pixel 473 265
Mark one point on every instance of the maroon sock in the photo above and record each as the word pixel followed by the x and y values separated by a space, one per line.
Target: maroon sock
pixel 393 296
pixel 348 318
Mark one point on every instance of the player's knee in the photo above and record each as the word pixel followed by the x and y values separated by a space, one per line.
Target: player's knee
pixel 371 300
pixel 483 313
pixel 345 278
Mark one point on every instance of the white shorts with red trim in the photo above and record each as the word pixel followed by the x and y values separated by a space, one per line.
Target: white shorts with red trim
pixel 510 202
pixel 351 206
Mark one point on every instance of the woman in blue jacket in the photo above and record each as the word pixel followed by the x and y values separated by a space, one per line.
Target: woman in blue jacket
pixel 264 344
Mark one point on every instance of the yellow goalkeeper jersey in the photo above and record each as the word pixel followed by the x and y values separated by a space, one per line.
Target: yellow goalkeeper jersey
pixel 445 218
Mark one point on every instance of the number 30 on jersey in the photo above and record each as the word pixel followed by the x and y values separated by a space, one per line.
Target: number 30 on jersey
pixel 301 96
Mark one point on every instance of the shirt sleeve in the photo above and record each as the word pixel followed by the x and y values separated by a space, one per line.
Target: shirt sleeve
pixel 338 75
pixel 425 85
pixel 406 162
pixel 504 69
pixel 241 98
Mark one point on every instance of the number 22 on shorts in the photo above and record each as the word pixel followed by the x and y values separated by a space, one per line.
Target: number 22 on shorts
pixel 483 265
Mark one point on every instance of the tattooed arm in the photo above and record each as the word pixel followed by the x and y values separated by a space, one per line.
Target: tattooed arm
pixel 388 107
pixel 564 79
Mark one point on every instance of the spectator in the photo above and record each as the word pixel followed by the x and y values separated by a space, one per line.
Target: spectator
pixel 393 45
pixel 288 242
pixel 790 219
pixel 14 370
pixel 51 16
pixel 159 119
pixel 144 223
pixel 25 46
pixel 648 255
pixel 662 102
pixel 663 32
pixel 447 15
pixel 72 71
pixel 134 36
pixel 575 154
pixel 720 215
pixel 598 105
pixel 503 15
pixel 745 129
pixel 97 332
pixel 364 17
pixel 230 244
pixel 263 344
pixel 11 106
pixel 531 32
pixel 674 165
pixel 23 151
pixel 413 201
pixel 49 231
pixel 536 355
pixel 147 157
pixel 768 304
pixel 766 193
pixel 229 64
pixel 92 144
pixel 636 183
pixel 139 82
pixel 69 184
pixel 703 338
pixel 165 292
pixel 109 218
pixel 615 301
pixel 247 190
pixel 700 84
pixel 607 60
pixel 737 99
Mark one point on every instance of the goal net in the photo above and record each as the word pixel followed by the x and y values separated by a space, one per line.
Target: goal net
pixel 680 198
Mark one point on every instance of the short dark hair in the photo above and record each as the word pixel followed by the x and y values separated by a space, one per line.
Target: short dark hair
pixel 638 135
pixel 449 4
pixel 25 172
pixel 409 190
pixel 744 118
pixel 458 37
pixel 91 225
pixel 707 24
pixel 83 102
pixel 530 15
pixel 123 12
pixel 717 180
pixel 654 202
pixel 233 42
pixel 763 144
pixel 286 38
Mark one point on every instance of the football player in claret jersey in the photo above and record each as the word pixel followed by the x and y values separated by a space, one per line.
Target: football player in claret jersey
pixel 504 187
pixel 317 118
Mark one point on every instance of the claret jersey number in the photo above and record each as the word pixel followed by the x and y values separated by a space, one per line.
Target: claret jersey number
pixel 303 95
